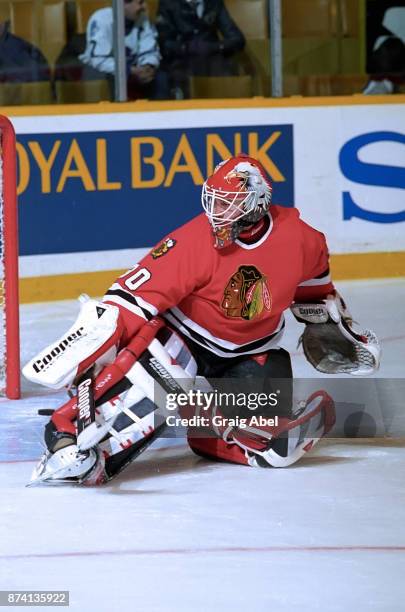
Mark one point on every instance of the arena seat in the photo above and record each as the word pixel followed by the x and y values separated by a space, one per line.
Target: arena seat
pixel 250 16
pixel 53 22
pixel 85 8
pixel 222 87
pixel 24 20
pixel 351 23
pixel 25 93
pixel 40 22
pixel 322 37
pixel 77 92
pixel 332 84
pixel 153 6
pixel 4 10
pixel 319 39
pixel 324 84
pixel 314 18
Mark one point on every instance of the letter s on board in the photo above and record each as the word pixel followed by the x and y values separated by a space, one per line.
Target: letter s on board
pixel 370 174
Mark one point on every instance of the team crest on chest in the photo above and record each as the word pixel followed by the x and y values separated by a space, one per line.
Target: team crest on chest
pixel 246 294
pixel 163 248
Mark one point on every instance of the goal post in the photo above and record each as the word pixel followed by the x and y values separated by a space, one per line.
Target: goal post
pixel 9 302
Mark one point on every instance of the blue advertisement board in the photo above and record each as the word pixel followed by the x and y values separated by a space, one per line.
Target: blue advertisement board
pixel 101 190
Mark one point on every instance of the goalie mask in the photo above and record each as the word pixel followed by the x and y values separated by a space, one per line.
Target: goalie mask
pixel 235 196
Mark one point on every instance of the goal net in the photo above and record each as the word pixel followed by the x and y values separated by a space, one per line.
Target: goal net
pixel 9 316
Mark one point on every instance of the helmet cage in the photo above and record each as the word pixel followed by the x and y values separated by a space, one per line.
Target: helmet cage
pixel 236 205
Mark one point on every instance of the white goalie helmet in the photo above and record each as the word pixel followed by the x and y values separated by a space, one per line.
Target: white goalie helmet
pixel 236 195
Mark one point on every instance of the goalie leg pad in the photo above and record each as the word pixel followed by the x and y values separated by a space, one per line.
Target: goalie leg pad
pixel 217 449
pixel 127 418
pixel 124 438
pixel 109 378
pixel 284 445
pixel 265 446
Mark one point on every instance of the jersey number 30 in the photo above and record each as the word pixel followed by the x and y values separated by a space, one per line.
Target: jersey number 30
pixel 137 279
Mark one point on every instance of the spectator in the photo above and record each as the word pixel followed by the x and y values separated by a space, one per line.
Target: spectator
pixel 142 51
pixel 20 61
pixel 388 55
pixel 197 38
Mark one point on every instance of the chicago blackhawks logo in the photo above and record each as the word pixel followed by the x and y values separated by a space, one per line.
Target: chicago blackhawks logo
pixel 246 294
pixel 163 248
pixel 222 235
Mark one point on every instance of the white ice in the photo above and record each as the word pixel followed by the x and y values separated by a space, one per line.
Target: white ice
pixel 175 532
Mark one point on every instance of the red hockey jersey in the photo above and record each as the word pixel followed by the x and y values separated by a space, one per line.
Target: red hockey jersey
pixel 230 301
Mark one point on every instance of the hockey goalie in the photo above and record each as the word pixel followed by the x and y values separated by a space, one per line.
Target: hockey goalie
pixel 206 304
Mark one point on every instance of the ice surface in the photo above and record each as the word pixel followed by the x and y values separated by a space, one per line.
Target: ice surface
pixel 175 532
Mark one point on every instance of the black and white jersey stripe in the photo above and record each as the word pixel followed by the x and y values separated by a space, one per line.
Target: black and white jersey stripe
pixel 179 321
pixel 219 346
pixel 322 279
pixel 117 295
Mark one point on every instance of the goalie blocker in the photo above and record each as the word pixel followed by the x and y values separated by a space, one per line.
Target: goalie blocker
pixel 126 417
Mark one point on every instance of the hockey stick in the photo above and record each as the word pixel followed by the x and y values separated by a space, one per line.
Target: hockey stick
pixel 132 453
pixel 86 411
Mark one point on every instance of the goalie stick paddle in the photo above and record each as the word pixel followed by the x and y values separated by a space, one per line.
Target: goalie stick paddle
pixel 115 466
pixel 159 373
pixel 86 409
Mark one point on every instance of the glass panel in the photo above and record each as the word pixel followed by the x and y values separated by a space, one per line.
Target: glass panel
pixel 40 45
pixel 330 47
pixel 385 46
pixel 322 47
pixel 24 71
pixel 84 65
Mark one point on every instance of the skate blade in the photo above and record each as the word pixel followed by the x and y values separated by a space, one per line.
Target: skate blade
pixel 52 482
pixel 49 477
